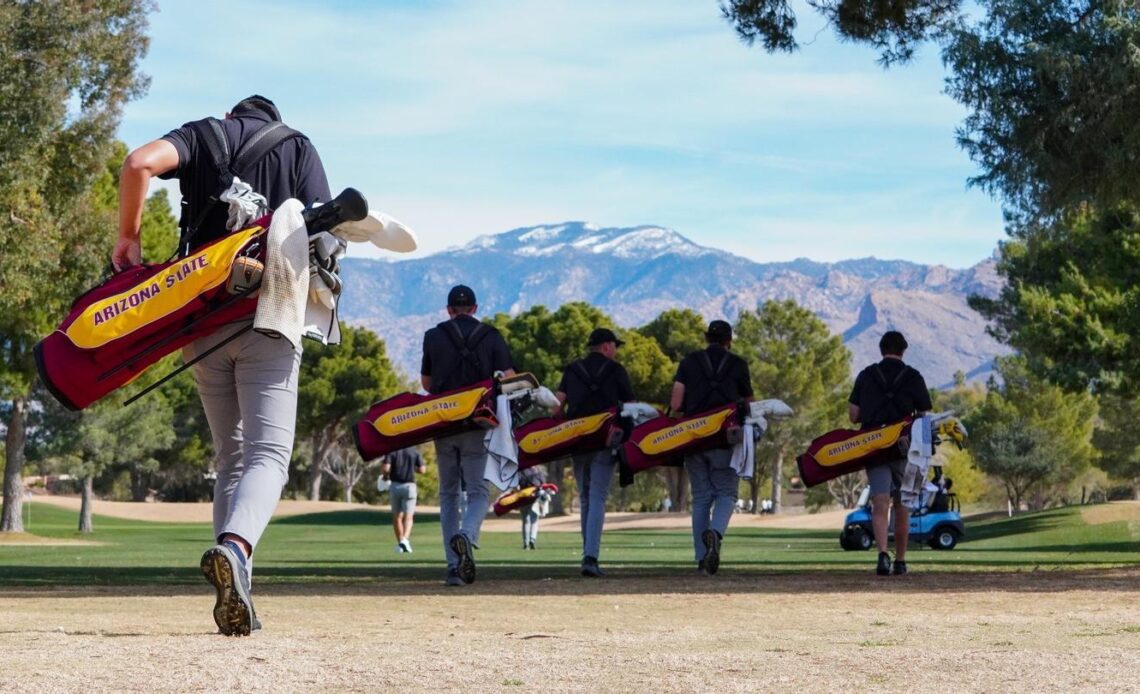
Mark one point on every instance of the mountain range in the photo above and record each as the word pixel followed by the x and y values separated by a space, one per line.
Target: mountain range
pixel 635 273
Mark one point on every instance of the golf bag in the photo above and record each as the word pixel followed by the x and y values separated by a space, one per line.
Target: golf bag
pixel 843 451
pixel 521 497
pixel 408 419
pixel 548 438
pixel 136 317
pixel 666 441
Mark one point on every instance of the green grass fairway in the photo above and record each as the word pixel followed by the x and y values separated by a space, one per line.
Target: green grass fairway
pixel 346 547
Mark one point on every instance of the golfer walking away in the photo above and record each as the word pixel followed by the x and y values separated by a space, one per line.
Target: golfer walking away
pixel 459 352
pixel 705 380
pixel 884 393
pixel 589 386
pixel 400 469
pixel 249 387
pixel 531 513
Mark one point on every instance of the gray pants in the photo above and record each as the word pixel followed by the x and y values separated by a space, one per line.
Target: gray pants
pixel 715 487
pixel 249 393
pixel 530 524
pixel 593 473
pixel 403 497
pixel 462 461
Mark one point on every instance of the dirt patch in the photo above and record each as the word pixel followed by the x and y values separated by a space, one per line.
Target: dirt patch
pixel 162 512
pixel 24 539
pixel 1112 512
pixel 686 634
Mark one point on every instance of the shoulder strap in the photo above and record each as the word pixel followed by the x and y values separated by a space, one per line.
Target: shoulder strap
pixel 259 144
pixel 210 133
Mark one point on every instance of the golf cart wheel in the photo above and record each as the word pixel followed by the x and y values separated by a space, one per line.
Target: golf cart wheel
pixel 944 538
pixel 859 538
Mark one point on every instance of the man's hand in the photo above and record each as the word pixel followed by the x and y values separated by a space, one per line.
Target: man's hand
pixel 128 252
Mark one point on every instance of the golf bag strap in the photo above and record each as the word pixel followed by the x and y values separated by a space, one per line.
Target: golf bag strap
pixel 593 382
pixel 889 389
pixel 464 345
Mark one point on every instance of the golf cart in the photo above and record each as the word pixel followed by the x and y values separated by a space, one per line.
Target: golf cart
pixel 935 519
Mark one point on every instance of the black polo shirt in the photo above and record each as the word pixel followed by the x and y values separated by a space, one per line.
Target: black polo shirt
pixel 444 363
pixel 713 377
pixel 610 383
pixel 884 397
pixel 402 465
pixel 293 169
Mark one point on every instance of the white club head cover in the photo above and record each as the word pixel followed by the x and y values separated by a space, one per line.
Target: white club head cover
pixel 639 411
pixel 771 408
pixel 381 231
pixel 543 397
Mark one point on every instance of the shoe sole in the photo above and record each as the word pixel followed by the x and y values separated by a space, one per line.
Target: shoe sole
pixel 462 546
pixel 712 551
pixel 231 611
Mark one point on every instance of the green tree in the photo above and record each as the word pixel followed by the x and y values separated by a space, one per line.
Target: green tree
pixel 793 356
pixel 1118 440
pixel 1071 300
pixel 678 331
pixel 66 69
pixel 1030 419
pixel 338 383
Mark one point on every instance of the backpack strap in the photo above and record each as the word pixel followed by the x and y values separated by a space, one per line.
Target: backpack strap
pixel 464 345
pixel 715 377
pixel 592 382
pixel 210 133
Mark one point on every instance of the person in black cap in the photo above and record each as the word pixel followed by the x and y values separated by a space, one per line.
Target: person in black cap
pixel 249 388
pixel 589 386
pixel 705 380
pixel 459 352
pixel 885 393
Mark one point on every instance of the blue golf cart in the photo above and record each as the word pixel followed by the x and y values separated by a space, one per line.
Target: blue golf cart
pixel 935 520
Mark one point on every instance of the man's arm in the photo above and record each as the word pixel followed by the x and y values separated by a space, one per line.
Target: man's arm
pixel 677 398
pixel 853 412
pixel 150 160
pixel 385 468
pixel 561 403
pixel 425 381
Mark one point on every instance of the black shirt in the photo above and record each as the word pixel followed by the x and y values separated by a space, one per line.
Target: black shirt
pixel 447 367
pixel 712 377
pixel 403 464
pixel 610 381
pixel 882 403
pixel 293 169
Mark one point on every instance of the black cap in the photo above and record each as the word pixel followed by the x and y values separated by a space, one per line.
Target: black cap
pixel 461 295
pixel 601 336
pixel 718 331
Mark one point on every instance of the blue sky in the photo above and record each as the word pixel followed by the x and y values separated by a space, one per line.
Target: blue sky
pixel 467 118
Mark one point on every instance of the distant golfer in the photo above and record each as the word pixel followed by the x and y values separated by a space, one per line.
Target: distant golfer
pixel 400 469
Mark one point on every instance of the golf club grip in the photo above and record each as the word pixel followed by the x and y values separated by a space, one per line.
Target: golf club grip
pixel 349 206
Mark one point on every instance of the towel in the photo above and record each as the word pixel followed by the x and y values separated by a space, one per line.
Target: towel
pixel 917 461
pixel 743 459
pixel 639 412
pixel 285 282
pixel 502 469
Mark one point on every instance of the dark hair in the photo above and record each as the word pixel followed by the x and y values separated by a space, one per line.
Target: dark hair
pixel 892 342
pixel 257 102
pixel 719 332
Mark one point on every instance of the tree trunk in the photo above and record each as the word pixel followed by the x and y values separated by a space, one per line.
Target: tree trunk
pixel 138 484
pixel 754 493
pixel 85 504
pixel 557 476
pixel 676 482
pixel 13 520
pixel 778 482
pixel 348 493
pixel 316 469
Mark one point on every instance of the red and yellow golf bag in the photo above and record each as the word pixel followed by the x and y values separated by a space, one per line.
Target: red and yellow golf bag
pixel 547 438
pixel 521 497
pixel 843 451
pixel 408 418
pixel 666 441
pixel 119 328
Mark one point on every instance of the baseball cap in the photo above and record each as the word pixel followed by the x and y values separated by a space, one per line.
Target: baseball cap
pixel 461 295
pixel 600 336
pixel 719 330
